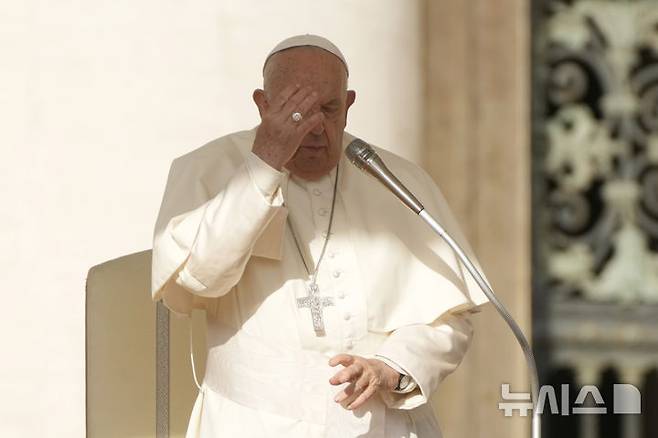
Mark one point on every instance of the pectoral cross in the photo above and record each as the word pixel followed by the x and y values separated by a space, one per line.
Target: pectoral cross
pixel 315 302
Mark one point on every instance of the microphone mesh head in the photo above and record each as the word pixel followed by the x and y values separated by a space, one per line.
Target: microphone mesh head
pixel 358 152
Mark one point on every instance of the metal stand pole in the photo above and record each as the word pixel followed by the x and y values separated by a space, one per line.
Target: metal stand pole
pixel 523 342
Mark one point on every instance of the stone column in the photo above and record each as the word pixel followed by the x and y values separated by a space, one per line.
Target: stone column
pixel 477 148
pixel 588 374
pixel 631 423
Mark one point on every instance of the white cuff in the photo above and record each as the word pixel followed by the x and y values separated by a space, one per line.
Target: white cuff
pixel 190 282
pixel 411 386
pixel 266 178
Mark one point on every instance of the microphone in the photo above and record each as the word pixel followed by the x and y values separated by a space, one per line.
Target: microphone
pixel 363 156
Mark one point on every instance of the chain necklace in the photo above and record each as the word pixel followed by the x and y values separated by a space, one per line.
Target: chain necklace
pixel 313 300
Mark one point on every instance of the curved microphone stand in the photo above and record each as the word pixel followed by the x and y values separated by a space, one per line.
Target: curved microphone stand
pixel 363 156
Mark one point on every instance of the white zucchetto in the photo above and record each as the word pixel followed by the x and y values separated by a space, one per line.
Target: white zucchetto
pixel 308 40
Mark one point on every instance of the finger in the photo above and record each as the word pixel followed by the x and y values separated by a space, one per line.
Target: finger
pixel 284 95
pixel 344 359
pixel 356 388
pixel 309 123
pixel 308 102
pixel 292 105
pixel 362 398
pixel 349 374
pixel 345 393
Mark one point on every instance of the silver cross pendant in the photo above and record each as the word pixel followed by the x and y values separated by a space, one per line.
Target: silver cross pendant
pixel 315 302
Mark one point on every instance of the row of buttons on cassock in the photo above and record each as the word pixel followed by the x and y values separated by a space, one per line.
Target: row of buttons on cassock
pixel 322 211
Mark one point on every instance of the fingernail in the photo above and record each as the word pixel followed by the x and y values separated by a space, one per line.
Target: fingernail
pixel 336 398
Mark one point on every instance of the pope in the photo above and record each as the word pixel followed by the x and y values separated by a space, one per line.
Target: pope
pixel 332 311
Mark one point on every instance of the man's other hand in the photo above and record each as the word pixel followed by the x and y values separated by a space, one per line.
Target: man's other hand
pixel 367 376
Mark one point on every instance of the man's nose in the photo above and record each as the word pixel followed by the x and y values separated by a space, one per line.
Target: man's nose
pixel 318 129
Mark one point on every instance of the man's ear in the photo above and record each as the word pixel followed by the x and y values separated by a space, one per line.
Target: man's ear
pixel 260 100
pixel 351 97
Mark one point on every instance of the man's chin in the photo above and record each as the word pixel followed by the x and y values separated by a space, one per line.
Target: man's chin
pixel 310 171
pixel 311 152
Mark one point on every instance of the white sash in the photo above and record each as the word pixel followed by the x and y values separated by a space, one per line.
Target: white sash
pixel 287 382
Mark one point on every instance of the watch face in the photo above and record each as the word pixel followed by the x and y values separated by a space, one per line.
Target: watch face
pixel 404 382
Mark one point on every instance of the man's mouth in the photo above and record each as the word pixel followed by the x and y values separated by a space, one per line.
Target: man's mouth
pixel 314 146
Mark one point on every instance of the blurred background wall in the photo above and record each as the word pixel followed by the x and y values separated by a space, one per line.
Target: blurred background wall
pixel 537 120
pixel 477 148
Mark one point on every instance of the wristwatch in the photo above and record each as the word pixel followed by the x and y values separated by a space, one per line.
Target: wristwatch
pixel 403 382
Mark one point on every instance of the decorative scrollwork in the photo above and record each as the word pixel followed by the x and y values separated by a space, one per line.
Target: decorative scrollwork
pixel 601 164
pixel 568 83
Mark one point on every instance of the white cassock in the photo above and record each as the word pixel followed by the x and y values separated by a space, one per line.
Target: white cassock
pixel 396 292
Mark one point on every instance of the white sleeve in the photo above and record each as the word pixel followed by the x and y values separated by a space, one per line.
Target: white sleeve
pixel 427 353
pixel 228 229
pixel 206 249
